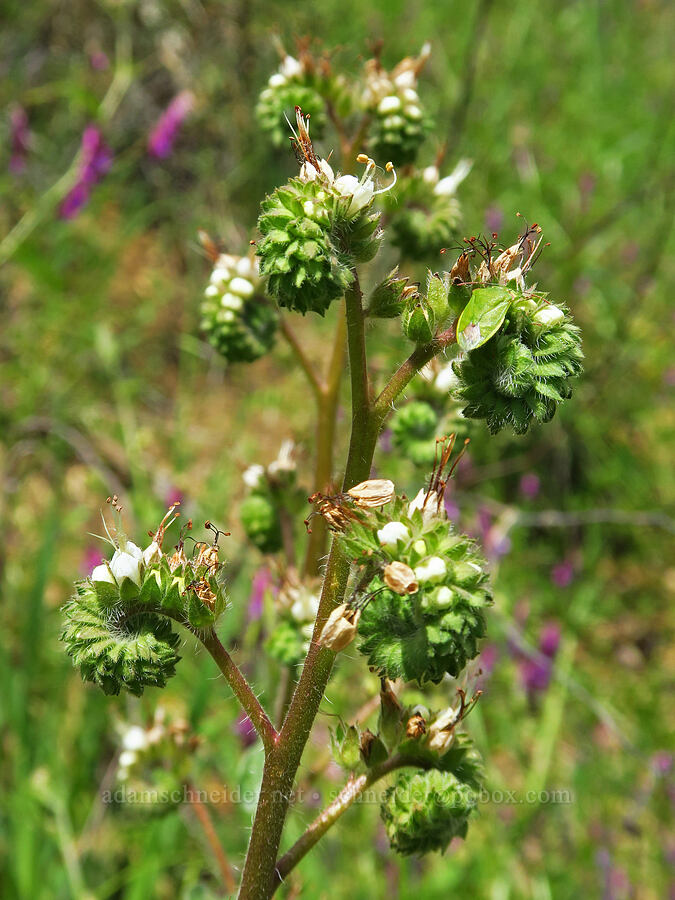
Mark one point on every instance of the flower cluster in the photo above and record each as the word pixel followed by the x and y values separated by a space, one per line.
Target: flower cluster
pixel 118 624
pixel 420 588
pixel 429 213
pixel 297 604
pixel 399 121
pixel 316 228
pixel 270 488
pixel 236 318
pixel 298 82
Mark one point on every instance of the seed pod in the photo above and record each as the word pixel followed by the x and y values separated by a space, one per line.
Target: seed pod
pixel 372 493
pixel 340 628
pixel 400 578
pixel 388 298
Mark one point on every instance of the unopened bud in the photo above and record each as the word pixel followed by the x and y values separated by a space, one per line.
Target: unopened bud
pixel 400 578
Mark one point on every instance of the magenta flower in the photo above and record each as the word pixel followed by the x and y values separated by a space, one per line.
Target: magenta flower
pixel 95 160
pixel 173 495
pixel 530 485
pixel 99 61
pixel 562 573
pixel 163 135
pixel 262 581
pixel 20 139
pixel 91 558
pixel 535 672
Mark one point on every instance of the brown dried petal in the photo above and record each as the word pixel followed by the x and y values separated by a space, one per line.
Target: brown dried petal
pixel 372 493
pixel 400 578
pixel 340 628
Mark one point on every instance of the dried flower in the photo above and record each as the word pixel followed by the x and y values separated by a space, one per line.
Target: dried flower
pixel 340 628
pixel 373 493
pixel 400 578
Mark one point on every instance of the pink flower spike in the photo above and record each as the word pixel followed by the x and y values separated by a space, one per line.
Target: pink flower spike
pixel 163 135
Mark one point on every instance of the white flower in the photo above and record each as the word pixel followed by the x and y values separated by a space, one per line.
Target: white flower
pixel 127 759
pixel 309 173
pixel 125 565
pixel 212 291
pixel 152 554
pixel 428 504
pixel 309 208
pixel 414 112
pixel 134 738
pixel 102 573
pixel 361 192
pixel 277 80
pixel 441 731
pixel 443 597
pixel 447 186
pixel 432 570
pixel 389 104
pixel 406 79
pixel 410 95
pixel 446 380
pixel 549 315
pixel 253 475
pixel 431 174
pixel 133 550
pixel 247 267
pixel 242 287
pixel 290 67
pixel 219 275
pixel 305 607
pixel 391 533
pixel 231 301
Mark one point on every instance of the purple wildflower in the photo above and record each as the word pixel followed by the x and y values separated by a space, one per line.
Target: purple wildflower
pixel 95 160
pixel 163 135
pixel 99 61
pixel 245 730
pixel 451 508
pixel 20 137
pixel 661 762
pixel 91 558
pixel 262 580
pixel 549 639
pixel 535 672
pixel 495 543
pixel 562 573
pixel 530 485
pixel 486 664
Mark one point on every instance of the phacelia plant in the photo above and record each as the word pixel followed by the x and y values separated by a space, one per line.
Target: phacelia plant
pixel 387 575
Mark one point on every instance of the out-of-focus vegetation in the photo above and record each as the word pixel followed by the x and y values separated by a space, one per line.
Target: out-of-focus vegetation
pixel 106 386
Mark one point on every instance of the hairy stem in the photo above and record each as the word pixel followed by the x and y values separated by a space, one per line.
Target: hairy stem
pixel 260 878
pixel 241 689
pixel 349 794
pixel 326 425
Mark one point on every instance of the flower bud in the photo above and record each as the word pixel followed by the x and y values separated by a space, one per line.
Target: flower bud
pixel 400 578
pixel 102 573
pixel 391 533
pixel 432 570
pixel 419 322
pixel 340 628
pixel 125 565
pixel 152 554
pixel 549 316
pixel 388 297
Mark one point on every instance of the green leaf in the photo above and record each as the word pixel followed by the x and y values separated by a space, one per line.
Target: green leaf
pixel 482 316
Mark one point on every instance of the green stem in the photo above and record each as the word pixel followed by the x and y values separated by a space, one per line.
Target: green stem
pixel 259 878
pixel 350 793
pixel 241 689
pixel 326 426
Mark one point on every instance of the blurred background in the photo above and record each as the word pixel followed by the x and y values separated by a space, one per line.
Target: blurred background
pixel 106 386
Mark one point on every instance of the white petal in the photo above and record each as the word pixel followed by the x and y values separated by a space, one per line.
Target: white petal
pixel 391 533
pixel 102 573
pixel 242 287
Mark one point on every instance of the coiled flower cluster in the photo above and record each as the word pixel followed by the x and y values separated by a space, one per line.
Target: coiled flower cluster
pixel 237 319
pixel 118 624
pixel 521 352
pixel 298 82
pixel 422 588
pixel 315 229
pixel 399 120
